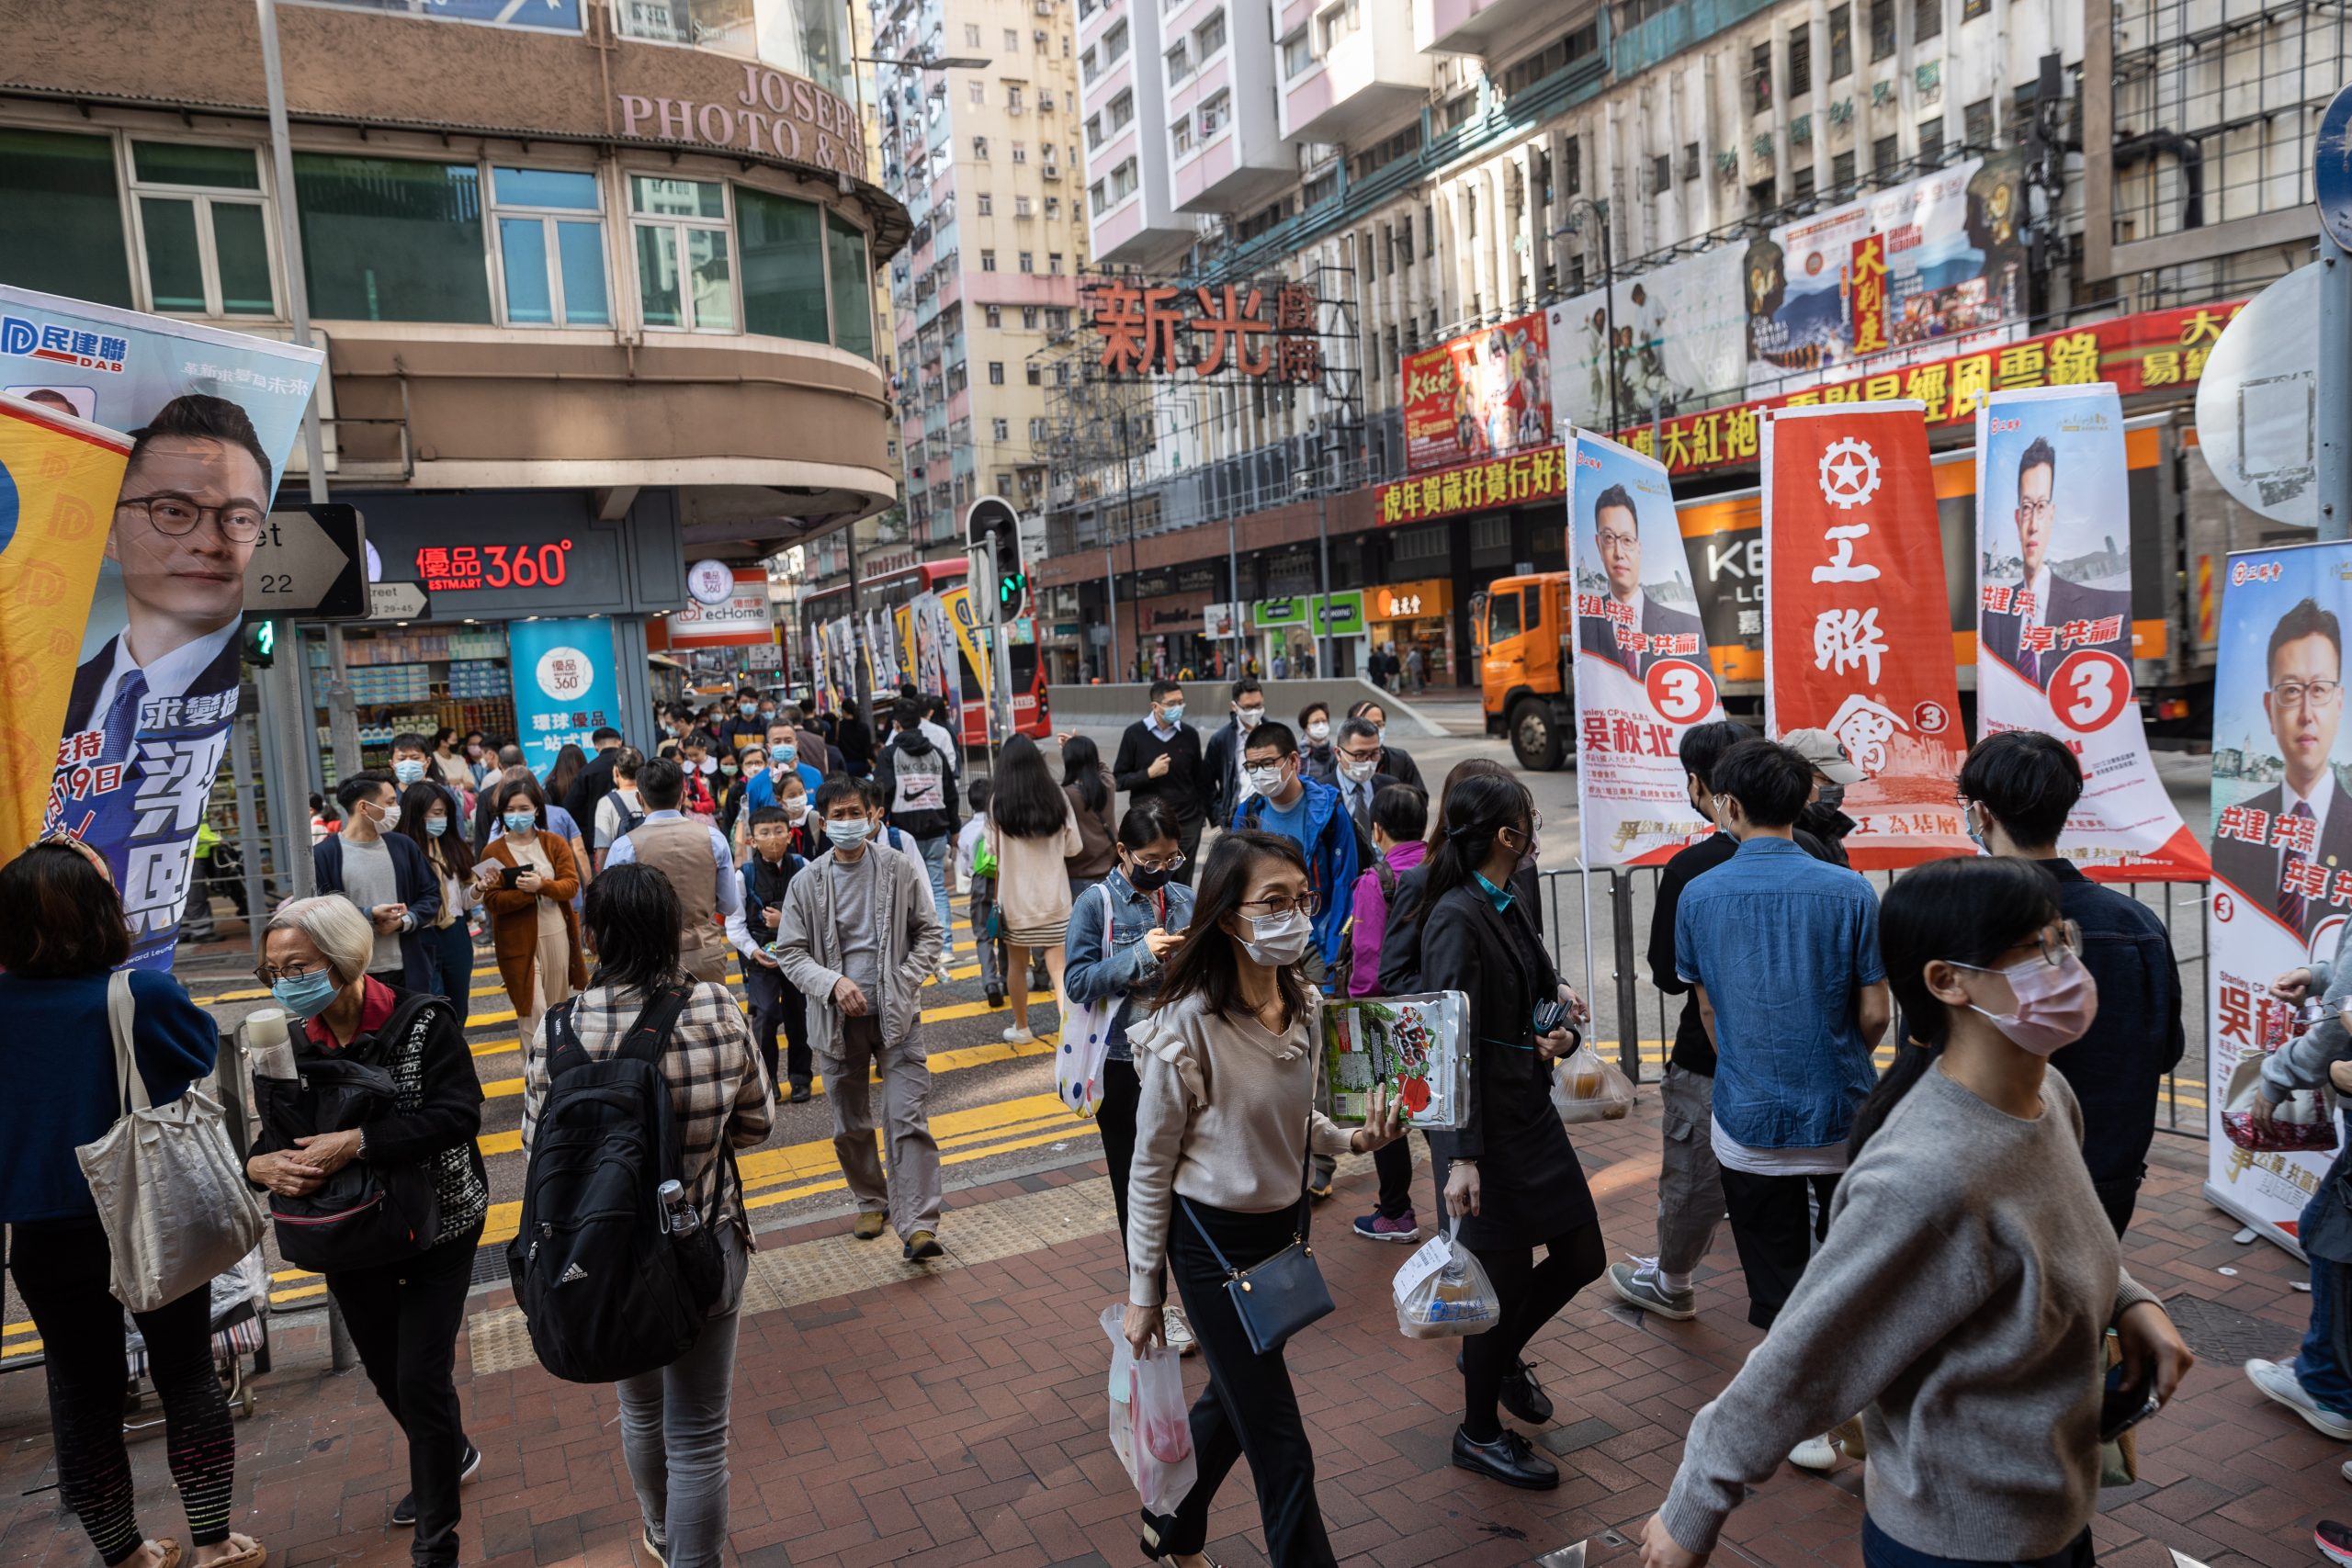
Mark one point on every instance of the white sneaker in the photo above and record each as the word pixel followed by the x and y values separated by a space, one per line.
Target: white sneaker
pixel 2279 1381
pixel 1016 1036
pixel 1815 1454
pixel 1179 1333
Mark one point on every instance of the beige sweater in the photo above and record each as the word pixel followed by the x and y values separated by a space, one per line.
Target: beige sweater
pixel 1226 1112
pixel 1032 886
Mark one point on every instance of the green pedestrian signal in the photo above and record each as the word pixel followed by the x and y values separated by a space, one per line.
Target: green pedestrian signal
pixel 260 643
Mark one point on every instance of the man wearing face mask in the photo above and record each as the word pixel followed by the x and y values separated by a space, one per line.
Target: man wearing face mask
pixel 385 874
pixel 412 763
pixel 1360 779
pixel 2016 788
pixel 1822 816
pixel 1228 782
pixel 1160 759
pixel 596 781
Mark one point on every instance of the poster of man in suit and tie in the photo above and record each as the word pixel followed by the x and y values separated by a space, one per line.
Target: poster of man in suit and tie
pixel 1642 670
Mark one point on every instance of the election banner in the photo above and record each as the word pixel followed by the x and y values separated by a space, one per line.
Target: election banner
pixel 957 602
pixel 1480 395
pixel 1641 663
pixel 1857 637
pixel 2054 621
pixel 59 478
pixel 1680 341
pixel 154 685
pixel 2282 849
pixel 565 684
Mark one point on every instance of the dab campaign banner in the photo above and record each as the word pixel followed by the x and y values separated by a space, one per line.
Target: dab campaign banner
pixel 1856 623
pixel 2054 621
pixel 59 478
pixel 1641 673
pixel 2282 840
pixel 212 415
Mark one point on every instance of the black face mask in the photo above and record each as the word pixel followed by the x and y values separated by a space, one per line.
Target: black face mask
pixel 1832 796
pixel 1144 880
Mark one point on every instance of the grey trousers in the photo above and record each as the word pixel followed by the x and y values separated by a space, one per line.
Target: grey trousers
pixel 1689 1182
pixel 673 1438
pixel 911 1193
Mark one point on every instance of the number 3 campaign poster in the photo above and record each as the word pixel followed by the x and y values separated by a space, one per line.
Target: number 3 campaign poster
pixel 1857 637
pixel 2054 621
pixel 211 415
pixel 1641 670
pixel 2282 858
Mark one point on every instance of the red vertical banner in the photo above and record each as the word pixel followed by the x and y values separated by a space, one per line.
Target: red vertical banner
pixel 1856 638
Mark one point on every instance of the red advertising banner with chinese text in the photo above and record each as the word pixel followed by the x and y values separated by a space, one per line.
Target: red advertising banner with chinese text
pixel 1855 620
pixel 1479 395
pixel 2054 643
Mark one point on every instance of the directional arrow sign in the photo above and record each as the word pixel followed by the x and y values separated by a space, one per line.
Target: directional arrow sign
pixel 310 562
pixel 399 602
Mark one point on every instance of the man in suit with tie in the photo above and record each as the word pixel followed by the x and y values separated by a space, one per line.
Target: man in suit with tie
pixel 2045 598
pixel 1357 776
pixel 1617 539
pixel 2303 825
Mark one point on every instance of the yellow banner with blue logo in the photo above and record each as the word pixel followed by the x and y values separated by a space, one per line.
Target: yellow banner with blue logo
pixel 59 478
pixel 957 602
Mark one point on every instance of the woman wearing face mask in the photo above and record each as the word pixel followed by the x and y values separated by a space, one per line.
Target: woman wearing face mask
pixel 1224 1127
pixel 1032 830
pixel 750 763
pixel 529 879
pixel 404 1314
pixel 1962 1295
pixel 1508 1174
pixel 1394 759
pixel 449 764
pixel 1316 760
pixel 1120 932
pixel 426 819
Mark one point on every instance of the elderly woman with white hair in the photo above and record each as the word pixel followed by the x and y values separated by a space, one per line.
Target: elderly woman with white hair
pixel 403 1307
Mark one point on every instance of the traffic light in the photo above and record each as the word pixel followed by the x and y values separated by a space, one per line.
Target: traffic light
pixel 258 643
pixel 993 521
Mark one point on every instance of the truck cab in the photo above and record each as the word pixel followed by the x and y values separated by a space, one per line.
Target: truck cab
pixel 1523 630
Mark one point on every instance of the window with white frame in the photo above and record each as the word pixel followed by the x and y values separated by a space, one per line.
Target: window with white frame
pixel 1121 109
pixel 1123 180
pixel 1180 134
pixel 1029 318
pixel 685 271
pixel 1013 97
pixel 1209 37
pixel 1298 54
pixel 978 91
pixel 1180 62
pixel 1021 152
pixel 1216 110
pixel 1114 42
pixel 1001 429
pixel 550 247
pixel 988 204
pixel 203 229
pixel 1340 21
pixel 1020 208
pixel 992 315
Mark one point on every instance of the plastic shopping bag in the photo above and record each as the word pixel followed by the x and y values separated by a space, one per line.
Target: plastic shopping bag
pixel 1585 1088
pixel 1151 1426
pixel 1444 1291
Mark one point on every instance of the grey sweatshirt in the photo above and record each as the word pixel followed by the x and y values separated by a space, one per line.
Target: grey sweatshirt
pixel 2302 1061
pixel 1960 1303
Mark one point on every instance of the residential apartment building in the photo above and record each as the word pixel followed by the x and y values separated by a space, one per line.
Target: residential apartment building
pixel 1439 168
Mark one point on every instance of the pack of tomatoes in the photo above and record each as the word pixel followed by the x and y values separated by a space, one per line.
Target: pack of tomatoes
pixel 1418 1045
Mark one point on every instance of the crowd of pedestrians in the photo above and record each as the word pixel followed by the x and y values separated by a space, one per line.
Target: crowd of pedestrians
pixel 1932 1253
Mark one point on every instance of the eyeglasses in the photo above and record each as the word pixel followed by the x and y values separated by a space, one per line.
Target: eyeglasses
pixel 177 514
pixel 1274 906
pixel 1609 539
pixel 2318 693
pixel 1371 756
pixel 2061 939
pixel 2038 510
pixel 269 974
pixel 1174 863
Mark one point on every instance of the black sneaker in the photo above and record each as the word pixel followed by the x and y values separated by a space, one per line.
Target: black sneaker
pixel 404 1511
pixel 2333 1540
pixel 1520 1395
pixel 799 1094
pixel 1510 1459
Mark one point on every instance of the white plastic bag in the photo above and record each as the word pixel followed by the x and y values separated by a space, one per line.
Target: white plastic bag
pixel 1151 1426
pixel 1442 1291
pixel 1586 1087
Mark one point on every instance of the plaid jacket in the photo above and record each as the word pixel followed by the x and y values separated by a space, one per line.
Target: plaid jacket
pixel 718 1084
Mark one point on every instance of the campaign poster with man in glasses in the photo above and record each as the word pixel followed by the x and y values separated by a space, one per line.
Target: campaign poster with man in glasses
pixel 211 415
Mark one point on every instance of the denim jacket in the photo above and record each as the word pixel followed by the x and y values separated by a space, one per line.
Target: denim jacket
pixel 1127 968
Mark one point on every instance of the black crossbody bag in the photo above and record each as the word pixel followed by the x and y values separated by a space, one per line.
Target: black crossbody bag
pixel 1276 1298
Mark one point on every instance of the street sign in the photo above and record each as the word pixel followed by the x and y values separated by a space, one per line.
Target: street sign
pixel 2331 168
pixel 399 602
pixel 312 562
pixel 2258 403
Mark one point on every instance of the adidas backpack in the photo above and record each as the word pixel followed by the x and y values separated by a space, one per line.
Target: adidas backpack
pixel 606 1289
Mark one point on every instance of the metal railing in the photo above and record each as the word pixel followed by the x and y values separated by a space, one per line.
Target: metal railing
pixel 1632 1015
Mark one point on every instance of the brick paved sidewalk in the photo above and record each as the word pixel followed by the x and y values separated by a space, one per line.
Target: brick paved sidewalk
pixel 958 1418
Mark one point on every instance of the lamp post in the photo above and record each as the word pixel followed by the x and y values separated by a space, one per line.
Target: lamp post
pixel 1574 225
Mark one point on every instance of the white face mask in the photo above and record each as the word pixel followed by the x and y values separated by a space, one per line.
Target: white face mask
pixel 390 817
pixel 1281 938
pixel 1357 773
pixel 1250 718
pixel 1319 731
pixel 1265 781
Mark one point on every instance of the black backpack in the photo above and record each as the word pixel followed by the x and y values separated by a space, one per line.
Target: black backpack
pixel 605 1287
pixel 365 1214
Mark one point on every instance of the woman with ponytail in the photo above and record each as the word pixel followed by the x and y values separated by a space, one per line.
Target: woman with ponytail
pixel 1508 1173
pixel 1962 1296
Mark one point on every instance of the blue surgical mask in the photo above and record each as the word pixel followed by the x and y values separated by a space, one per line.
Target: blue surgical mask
pixel 436 826
pixel 1172 714
pixel 521 821
pixel 784 754
pixel 1968 821
pixel 408 770
pixel 846 832
pixel 305 996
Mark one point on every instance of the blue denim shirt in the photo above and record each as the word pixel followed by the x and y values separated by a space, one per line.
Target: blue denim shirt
pixel 1782 943
pixel 1128 968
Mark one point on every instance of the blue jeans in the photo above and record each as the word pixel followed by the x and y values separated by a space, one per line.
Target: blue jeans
pixel 1881 1549
pixel 451 951
pixel 2317 1366
pixel 934 861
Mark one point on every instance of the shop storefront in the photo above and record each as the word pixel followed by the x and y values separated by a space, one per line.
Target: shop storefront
pixel 538 630
pixel 1407 615
pixel 1288 629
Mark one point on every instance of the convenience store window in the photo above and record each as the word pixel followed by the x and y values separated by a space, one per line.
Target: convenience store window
pixel 420 678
